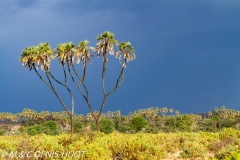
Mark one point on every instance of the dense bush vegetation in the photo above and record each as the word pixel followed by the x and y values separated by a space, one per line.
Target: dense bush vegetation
pixel 48 127
pixel 151 133
pixel 150 120
pixel 182 145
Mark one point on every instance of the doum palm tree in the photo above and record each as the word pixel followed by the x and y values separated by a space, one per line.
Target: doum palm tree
pixel 40 56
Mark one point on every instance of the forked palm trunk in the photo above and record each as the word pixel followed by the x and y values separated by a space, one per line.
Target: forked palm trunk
pixel 97 125
pixel 72 129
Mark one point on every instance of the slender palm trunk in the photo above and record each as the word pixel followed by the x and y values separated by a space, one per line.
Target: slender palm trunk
pixel 50 86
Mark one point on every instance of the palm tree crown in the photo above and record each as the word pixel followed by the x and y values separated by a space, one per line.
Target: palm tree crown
pixel 126 51
pixel 37 54
pixel 27 57
pixel 105 44
pixel 82 52
pixel 42 58
pixel 65 53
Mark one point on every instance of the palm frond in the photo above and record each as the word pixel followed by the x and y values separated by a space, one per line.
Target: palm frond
pixel 105 44
pixel 82 52
pixel 126 51
pixel 64 52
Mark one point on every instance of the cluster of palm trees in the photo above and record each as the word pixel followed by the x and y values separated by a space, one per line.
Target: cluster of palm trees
pixel 151 113
pixel 8 117
pixel 225 113
pixel 30 117
pixel 40 57
pixel 155 116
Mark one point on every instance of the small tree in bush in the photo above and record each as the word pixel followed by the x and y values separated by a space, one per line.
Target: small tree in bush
pixel 52 125
pixel 33 130
pixel 78 127
pixel 152 129
pixel 170 124
pixel 125 128
pixel 106 125
pixel 2 131
pixel 50 128
pixel 138 123
pixel 184 123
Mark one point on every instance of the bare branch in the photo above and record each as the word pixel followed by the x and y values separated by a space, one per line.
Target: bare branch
pixel 121 75
pixel 70 92
pixel 41 77
pixel 79 86
pixel 54 91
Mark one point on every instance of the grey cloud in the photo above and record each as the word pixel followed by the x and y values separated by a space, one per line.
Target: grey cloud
pixel 28 3
pixel 75 7
pixel 11 7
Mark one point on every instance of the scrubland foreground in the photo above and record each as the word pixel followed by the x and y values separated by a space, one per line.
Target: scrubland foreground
pixel 121 146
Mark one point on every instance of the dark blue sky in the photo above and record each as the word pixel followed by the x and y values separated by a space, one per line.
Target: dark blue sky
pixel 188 53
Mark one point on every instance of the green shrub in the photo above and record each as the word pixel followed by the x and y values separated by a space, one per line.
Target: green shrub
pixel 22 129
pixel 50 128
pixel 33 130
pixel 52 125
pixel 93 126
pixel 152 129
pixel 170 124
pixel 78 127
pixel 207 125
pixel 184 123
pixel 106 125
pixel 2 131
pixel 138 123
pixel 125 128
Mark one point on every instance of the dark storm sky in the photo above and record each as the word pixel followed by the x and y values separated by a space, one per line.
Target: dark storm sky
pixel 188 53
